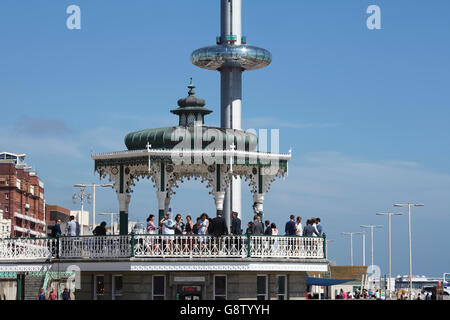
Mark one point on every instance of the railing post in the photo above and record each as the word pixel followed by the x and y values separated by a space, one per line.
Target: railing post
pixel 249 255
pixel 57 246
pixel 324 246
pixel 132 244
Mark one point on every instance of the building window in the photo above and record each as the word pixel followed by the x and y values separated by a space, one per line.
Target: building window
pixel 282 287
pixel 159 288
pixel 117 285
pixel 99 287
pixel 262 287
pixel 7 196
pixel 6 209
pixel 220 287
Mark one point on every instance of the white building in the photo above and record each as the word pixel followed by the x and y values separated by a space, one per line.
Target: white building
pixel 5 226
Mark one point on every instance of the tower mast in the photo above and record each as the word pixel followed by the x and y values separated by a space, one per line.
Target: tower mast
pixel 231 56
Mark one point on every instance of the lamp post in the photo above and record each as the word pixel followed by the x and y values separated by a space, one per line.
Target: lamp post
pixel 389 214
pixel 351 244
pixel 371 238
pixel 363 247
pixel 93 196
pixel 82 195
pixel 111 214
pixel 409 205
pixel 371 241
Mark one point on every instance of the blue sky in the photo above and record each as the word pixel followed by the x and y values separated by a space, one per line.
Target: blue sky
pixel 365 111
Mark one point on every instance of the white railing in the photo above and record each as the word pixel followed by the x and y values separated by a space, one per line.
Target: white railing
pixel 287 247
pixel 27 248
pixel 163 246
pixel 98 247
pixel 188 246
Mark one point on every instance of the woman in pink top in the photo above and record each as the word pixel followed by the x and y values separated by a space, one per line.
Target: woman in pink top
pixel 53 295
pixel 151 227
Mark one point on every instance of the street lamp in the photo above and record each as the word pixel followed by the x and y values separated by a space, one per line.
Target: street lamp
pixel 371 237
pixel 351 244
pixel 93 196
pixel 82 195
pixel 410 248
pixel 371 241
pixel 112 219
pixel 389 214
pixel 363 247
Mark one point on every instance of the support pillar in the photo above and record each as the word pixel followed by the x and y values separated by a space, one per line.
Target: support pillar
pixel 258 204
pixel 162 195
pixel 167 203
pixel 219 197
pixel 124 202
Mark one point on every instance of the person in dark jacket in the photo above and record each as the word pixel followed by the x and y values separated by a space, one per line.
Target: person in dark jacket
pixel 291 228
pixel 56 230
pixel 268 231
pixel 258 226
pixel 218 225
pixel 309 230
pixel 249 228
pixel 235 224
pixel 100 230
pixel 66 294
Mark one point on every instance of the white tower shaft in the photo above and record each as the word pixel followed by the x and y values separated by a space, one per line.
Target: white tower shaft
pixel 231 95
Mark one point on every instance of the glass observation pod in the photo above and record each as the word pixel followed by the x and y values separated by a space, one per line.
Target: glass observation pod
pixel 248 57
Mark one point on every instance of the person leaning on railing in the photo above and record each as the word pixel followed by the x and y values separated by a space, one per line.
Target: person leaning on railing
pixel 100 230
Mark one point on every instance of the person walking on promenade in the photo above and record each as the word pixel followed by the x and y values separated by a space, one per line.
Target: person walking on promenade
pixel 42 295
pixel 66 294
pixel 53 295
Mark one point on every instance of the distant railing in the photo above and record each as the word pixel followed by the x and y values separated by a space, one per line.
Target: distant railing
pixel 163 246
pixel 28 248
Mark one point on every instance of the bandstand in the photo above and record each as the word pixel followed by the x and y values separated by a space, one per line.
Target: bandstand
pixel 188 266
pixel 191 150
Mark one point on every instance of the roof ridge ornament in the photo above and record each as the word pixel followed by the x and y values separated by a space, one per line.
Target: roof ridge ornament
pixel 191 87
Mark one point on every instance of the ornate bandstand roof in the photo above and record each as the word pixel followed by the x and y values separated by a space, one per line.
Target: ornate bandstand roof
pixel 191 127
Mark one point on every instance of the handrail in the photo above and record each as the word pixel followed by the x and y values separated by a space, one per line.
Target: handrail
pixel 164 246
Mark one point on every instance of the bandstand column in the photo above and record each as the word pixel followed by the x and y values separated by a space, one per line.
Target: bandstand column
pixel 124 199
pixel 258 200
pixel 162 195
pixel 219 197
pixel 258 196
pixel 124 203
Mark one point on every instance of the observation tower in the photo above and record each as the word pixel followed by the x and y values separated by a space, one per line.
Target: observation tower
pixel 231 56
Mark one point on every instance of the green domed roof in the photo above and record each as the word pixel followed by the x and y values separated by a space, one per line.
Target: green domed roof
pixel 191 131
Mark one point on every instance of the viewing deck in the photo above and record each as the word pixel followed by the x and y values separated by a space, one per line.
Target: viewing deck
pixel 157 247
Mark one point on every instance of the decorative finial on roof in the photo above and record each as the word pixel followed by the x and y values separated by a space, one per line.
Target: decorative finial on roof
pixel 191 88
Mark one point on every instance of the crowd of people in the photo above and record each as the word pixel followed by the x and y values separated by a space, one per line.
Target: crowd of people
pixel 205 225
pixel 376 295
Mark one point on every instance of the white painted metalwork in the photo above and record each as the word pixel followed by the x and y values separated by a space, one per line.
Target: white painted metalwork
pixel 27 248
pixel 190 246
pixel 163 246
pixel 286 247
pixel 97 247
